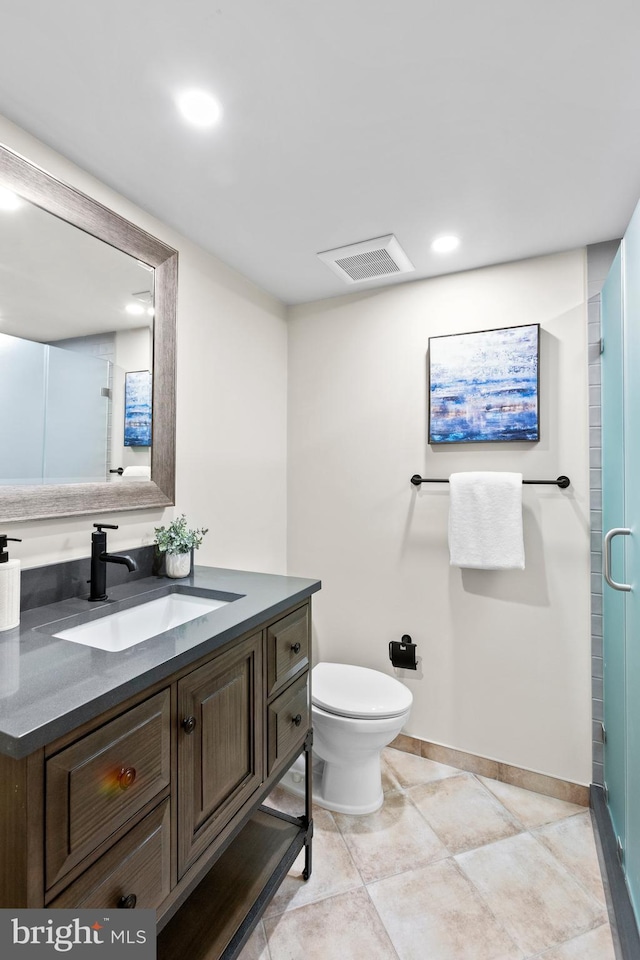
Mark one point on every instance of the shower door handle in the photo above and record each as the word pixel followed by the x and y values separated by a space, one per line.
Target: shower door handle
pixel 610 534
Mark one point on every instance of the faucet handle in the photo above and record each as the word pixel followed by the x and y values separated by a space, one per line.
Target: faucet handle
pixel 105 526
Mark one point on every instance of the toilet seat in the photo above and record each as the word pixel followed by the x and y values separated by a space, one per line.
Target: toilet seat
pixel 350 691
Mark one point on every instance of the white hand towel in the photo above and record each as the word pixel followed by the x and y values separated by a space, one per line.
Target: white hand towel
pixel 137 473
pixel 485 520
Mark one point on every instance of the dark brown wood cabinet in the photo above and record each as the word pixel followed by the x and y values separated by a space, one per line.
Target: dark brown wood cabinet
pixel 287 722
pixel 219 745
pixel 287 648
pixel 158 801
pixel 135 872
pixel 98 783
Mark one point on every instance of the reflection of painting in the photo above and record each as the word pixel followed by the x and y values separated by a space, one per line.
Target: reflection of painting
pixel 484 386
pixel 137 408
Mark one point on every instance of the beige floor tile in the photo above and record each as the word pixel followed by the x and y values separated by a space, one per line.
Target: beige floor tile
pixel 462 813
pixel 332 869
pixel 595 945
pixel 256 947
pixel 435 913
pixel 411 770
pixel 390 782
pixel 531 809
pixel 285 802
pixel 571 842
pixel 392 840
pixel 530 893
pixel 345 927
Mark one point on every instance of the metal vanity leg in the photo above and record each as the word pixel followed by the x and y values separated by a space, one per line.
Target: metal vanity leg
pixel 308 798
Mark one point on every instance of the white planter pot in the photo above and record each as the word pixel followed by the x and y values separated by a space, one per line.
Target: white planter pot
pixel 178 565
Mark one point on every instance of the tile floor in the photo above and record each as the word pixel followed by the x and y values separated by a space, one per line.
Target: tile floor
pixel 453 867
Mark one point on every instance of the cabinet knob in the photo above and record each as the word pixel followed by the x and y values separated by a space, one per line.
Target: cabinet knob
pixel 126 777
pixel 297 719
pixel 127 903
pixel 295 647
pixel 189 724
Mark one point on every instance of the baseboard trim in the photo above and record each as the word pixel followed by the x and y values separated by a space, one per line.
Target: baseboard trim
pixel 622 918
pixel 506 772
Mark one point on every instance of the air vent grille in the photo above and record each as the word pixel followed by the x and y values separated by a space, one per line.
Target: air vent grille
pixel 369 260
pixel 376 263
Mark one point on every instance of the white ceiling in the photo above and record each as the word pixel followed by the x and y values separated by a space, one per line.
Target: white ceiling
pixel 515 125
pixel 57 281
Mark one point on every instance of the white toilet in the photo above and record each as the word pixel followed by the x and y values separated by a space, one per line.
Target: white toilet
pixel 355 713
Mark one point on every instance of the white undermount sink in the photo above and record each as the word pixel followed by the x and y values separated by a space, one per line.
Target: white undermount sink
pixel 123 629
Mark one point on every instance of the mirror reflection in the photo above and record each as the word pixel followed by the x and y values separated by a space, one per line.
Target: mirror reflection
pixel 76 353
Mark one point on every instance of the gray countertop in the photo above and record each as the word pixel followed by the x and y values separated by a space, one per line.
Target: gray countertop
pixel 49 686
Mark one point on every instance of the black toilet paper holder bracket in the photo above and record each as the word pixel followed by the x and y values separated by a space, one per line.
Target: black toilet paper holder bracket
pixel 402 653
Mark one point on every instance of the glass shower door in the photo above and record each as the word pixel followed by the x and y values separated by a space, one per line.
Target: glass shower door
pixel 621 520
pixel 613 517
pixel 77 417
pixel 631 290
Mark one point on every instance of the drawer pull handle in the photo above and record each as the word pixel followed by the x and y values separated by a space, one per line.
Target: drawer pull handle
pixel 189 724
pixel 127 903
pixel 295 647
pixel 126 777
pixel 297 719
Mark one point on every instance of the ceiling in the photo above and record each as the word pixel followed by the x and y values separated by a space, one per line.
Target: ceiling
pixel 58 282
pixel 514 125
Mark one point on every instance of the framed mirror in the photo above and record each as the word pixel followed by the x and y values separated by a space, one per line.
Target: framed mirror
pixel 87 353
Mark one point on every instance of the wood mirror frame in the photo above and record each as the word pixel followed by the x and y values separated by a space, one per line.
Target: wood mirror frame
pixel 27 502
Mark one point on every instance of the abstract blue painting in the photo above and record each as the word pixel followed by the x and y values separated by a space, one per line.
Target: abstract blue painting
pixel 483 386
pixel 137 408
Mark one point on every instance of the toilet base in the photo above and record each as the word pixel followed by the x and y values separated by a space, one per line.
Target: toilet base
pixel 326 794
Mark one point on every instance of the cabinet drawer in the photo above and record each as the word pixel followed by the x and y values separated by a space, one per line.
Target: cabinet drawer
pixel 97 783
pixel 134 872
pixel 287 648
pixel 287 722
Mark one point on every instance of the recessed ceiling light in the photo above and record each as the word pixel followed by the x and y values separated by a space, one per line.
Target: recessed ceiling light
pixel 445 244
pixel 8 199
pixel 199 108
pixel 135 309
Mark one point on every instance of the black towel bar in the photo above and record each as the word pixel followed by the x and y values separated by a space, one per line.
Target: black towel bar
pixel 562 482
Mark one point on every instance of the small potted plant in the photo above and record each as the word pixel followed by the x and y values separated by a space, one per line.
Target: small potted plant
pixel 177 541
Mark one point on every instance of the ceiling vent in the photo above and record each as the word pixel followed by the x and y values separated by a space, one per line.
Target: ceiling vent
pixel 369 260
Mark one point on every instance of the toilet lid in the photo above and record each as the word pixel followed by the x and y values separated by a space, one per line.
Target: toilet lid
pixel 351 691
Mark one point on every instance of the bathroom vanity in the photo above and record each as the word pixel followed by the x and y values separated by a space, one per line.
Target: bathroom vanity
pixel 136 778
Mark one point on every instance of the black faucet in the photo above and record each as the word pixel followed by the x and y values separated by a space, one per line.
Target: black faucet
pixel 100 558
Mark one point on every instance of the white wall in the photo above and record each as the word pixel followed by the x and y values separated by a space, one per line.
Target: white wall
pixel 231 417
pixel 505 669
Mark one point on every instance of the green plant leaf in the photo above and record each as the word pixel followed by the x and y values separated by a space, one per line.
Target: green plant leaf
pixel 177 537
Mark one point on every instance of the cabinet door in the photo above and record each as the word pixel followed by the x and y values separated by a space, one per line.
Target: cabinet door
pixel 219 745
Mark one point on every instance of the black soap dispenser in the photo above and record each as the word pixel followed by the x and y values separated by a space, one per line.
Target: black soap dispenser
pixel 9 586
